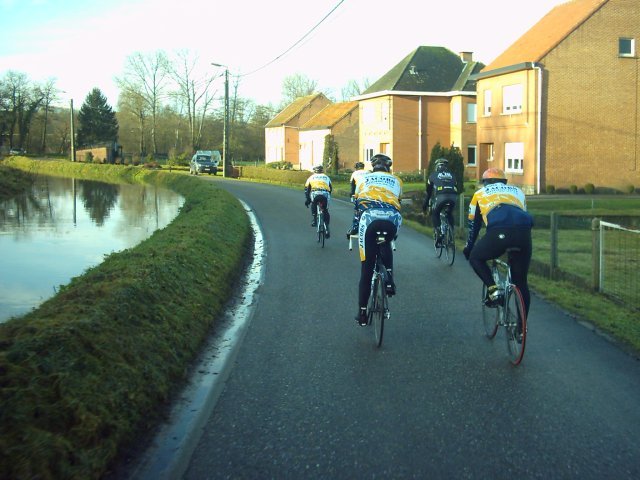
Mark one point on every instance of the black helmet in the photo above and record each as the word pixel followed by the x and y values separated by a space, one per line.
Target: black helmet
pixel 442 164
pixel 359 166
pixel 381 162
pixel 318 169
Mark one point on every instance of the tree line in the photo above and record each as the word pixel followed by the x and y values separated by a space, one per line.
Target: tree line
pixel 168 107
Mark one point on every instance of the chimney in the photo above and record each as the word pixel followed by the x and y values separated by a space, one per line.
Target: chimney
pixel 466 56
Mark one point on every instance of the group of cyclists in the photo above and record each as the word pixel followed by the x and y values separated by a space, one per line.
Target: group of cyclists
pixel 377 193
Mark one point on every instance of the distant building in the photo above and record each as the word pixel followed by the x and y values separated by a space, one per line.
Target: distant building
pixel 426 98
pixel 281 133
pixel 339 120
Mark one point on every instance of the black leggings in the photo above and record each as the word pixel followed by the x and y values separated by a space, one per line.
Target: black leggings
pixel 493 245
pixel 441 201
pixel 322 200
pixel 372 249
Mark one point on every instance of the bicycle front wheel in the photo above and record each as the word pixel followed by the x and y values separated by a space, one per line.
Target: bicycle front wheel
pixel 378 309
pixel 490 316
pixel 450 244
pixel 515 324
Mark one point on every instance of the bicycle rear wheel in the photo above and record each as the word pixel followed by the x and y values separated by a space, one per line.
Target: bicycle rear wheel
pixel 321 231
pixel 378 309
pixel 437 249
pixel 450 244
pixel 490 316
pixel 515 325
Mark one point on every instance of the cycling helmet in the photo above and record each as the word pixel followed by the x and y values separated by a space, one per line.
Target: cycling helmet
pixel 318 169
pixel 381 162
pixel 493 175
pixel 441 164
pixel 359 166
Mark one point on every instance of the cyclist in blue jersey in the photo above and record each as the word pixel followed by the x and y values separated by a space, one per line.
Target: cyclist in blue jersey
pixel 317 190
pixel 378 201
pixel 502 208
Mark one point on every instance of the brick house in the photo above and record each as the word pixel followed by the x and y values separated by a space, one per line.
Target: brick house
pixel 560 106
pixel 337 119
pixel 426 98
pixel 281 133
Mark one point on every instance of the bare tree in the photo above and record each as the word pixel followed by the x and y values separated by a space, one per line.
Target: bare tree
pixel 354 88
pixel 194 92
pixel 20 101
pixel 295 86
pixel 135 104
pixel 144 81
pixel 50 93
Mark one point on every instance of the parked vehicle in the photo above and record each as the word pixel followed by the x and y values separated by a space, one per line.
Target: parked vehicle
pixel 205 161
pixel 17 151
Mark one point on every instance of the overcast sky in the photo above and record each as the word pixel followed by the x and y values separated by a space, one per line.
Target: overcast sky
pixel 84 43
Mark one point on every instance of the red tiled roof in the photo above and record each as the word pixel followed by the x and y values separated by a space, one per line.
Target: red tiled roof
pixel 545 35
pixel 330 115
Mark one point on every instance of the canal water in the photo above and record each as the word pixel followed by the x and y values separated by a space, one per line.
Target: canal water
pixel 63 226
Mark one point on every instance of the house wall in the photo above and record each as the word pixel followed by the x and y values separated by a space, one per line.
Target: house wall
pixel 274 144
pixel 463 129
pixel 345 134
pixel 413 125
pixel 312 148
pixel 499 128
pixel 593 101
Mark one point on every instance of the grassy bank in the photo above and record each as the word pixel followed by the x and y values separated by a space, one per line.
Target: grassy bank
pixel 91 368
pixel 13 182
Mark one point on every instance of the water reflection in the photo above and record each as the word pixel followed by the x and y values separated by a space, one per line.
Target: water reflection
pixel 63 226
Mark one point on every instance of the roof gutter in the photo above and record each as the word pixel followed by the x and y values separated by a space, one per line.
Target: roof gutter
pixel 413 94
pixel 503 70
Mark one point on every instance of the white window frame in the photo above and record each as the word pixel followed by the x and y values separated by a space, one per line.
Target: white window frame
pixel 472 113
pixel 473 148
pixel 490 152
pixel 512 99
pixel 487 103
pixel 631 42
pixel 514 157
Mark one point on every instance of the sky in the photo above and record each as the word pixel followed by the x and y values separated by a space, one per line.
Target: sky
pixel 84 44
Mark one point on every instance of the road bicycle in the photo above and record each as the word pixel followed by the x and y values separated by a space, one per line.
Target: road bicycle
pixel 448 242
pixel 378 307
pixel 322 226
pixel 508 313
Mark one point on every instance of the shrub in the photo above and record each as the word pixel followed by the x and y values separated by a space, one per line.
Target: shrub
pixel 629 189
pixel 550 189
pixel 589 188
pixel 280 165
pixel 88 157
pixel 573 189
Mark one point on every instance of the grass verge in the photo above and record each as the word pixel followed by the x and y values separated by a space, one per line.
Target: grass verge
pixel 86 372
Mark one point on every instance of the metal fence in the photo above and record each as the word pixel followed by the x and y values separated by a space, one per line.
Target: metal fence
pixel 618 262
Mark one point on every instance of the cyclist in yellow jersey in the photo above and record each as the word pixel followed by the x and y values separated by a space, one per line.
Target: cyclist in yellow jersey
pixel 354 181
pixel 317 189
pixel 378 201
pixel 502 208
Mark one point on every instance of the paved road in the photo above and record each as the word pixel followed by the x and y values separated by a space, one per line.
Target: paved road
pixel 310 397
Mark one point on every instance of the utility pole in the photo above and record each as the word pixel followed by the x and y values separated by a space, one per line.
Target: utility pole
pixel 225 130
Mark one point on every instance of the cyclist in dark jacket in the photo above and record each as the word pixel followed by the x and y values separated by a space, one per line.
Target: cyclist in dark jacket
pixel 503 209
pixel 442 186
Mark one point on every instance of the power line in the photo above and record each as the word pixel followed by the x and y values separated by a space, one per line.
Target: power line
pixel 295 44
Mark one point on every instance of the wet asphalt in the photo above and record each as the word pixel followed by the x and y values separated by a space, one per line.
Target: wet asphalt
pixel 306 393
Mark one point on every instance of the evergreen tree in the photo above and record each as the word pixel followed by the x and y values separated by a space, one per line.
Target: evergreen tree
pixel 97 121
pixel 330 157
pixel 456 162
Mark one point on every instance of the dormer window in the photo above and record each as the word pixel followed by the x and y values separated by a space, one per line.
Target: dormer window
pixel 626 47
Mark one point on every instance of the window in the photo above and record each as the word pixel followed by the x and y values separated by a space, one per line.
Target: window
pixel 368 153
pixel 489 152
pixel 487 103
pixel 471 155
pixel 514 157
pixel 471 112
pixel 626 47
pixel 512 99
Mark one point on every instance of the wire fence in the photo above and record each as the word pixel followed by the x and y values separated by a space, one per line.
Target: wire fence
pixel 619 262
